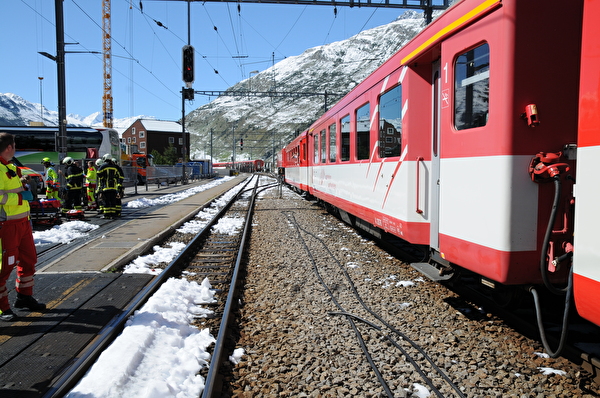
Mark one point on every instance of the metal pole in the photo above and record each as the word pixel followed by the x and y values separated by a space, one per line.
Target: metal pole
pixel 60 72
pixel 184 140
pixel 184 151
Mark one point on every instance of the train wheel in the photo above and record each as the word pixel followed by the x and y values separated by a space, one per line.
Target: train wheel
pixel 507 296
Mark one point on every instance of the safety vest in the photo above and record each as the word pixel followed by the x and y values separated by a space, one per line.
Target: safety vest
pixel 51 178
pixel 91 176
pixel 12 205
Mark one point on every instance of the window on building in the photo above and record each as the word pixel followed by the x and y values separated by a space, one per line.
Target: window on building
pixel 472 88
pixel 142 145
pixel 133 131
pixel 133 140
pixel 363 132
pixel 180 141
pixel 171 140
pixel 129 140
pixel 332 142
pixel 390 123
pixel 345 154
pixel 142 134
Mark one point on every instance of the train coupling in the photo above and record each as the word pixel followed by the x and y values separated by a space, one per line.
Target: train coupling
pixel 545 166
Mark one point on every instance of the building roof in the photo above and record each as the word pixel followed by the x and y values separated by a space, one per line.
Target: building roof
pixel 161 125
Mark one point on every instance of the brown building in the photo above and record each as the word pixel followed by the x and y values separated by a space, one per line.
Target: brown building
pixel 146 135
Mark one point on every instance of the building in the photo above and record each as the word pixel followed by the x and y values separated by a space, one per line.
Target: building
pixel 147 135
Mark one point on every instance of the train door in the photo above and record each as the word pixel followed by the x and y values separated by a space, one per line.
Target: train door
pixel 434 181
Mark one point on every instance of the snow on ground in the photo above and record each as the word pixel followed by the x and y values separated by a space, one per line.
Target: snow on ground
pixel 159 353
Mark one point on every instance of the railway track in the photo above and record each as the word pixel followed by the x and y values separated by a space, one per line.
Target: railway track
pixel 209 254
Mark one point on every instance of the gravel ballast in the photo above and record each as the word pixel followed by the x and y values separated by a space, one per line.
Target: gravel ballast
pixel 295 347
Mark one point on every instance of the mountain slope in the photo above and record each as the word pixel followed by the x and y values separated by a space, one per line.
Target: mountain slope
pixel 267 123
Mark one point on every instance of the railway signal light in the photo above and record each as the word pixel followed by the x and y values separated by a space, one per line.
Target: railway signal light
pixel 241 144
pixel 188 93
pixel 188 63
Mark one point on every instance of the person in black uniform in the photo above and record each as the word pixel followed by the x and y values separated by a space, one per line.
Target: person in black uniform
pixel 74 179
pixel 120 189
pixel 109 179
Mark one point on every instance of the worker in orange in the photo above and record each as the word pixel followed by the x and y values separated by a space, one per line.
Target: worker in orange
pixel 50 179
pixel 16 235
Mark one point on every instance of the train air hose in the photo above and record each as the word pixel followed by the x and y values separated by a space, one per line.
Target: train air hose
pixel 544 270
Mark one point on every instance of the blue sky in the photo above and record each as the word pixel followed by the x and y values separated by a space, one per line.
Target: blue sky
pixel 146 57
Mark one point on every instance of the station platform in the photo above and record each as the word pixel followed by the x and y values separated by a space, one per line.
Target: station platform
pixel 130 239
pixel 81 297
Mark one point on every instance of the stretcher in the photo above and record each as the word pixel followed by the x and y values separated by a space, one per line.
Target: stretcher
pixel 45 211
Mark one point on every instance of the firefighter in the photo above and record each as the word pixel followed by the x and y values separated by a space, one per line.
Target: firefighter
pixel 90 184
pixel 120 189
pixel 74 179
pixel 109 179
pixel 50 179
pixel 16 235
pixel 98 193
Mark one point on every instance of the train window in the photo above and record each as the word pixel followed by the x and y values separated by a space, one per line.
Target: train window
pixel 472 88
pixel 390 123
pixel 332 142
pixel 323 147
pixel 345 154
pixel 316 147
pixel 363 132
pixel 303 153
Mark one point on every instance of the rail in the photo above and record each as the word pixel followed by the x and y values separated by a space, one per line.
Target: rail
pixel 86 359
pixel 217 356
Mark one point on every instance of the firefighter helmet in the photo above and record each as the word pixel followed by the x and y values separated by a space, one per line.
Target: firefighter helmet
pixel 99 162
pixel 68 161
pixel 106 157
pixel 45 160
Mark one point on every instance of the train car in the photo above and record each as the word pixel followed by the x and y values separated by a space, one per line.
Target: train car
pixel 246 166
pixel 453 141
pixel 294 162
pixel 586 256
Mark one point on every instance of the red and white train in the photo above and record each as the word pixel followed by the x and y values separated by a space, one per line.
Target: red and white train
pixel 469 140
pixel 246 166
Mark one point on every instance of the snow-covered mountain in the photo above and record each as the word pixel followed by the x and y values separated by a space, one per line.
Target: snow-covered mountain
pixel 265 123
pixel 16 111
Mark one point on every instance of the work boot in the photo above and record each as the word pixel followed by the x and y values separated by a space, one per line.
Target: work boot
pixel 29 303
pixel 7 315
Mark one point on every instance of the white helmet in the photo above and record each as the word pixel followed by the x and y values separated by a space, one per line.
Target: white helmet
pixel 68 161
pixel 106 157
pixel 99 162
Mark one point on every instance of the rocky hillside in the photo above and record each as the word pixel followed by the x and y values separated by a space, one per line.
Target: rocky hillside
pixel 266 123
